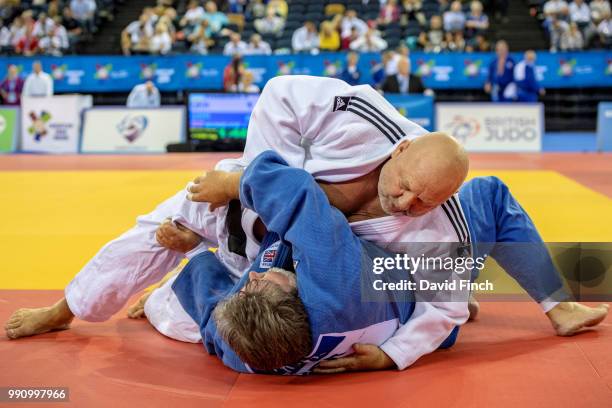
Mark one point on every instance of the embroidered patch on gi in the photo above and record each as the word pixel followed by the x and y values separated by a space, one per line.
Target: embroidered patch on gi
pixel 267 258
pixel 341 103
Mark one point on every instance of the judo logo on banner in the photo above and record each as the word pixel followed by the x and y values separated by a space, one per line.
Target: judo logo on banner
pixel 132 127
pixel 38 127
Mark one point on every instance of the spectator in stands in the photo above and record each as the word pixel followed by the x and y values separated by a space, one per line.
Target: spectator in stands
pixel 5 38
pixel 528 88
pixel 403 82
pixel 161 42
pixel 305 38
pixel 11 87
pixel 580 13
pixel 329 39
pixel 412 11
pixel 478 44
pixel 28 44
pixel 571 39
pixel 389 13
pixel 555 10
pixel 350 74
pixel 72 26
pixel 235 45
pixel 604 29
pixel 43 25
pixel 84 12
pixel 501 75
pixel 454 19
pixel 477 22
pixel 556 30
pixel 246 84
pixel 38 83
pixel 216 19
pixel 56 41
pixel 192 18
pixel 144 96
pixel 370 42
pixel 433 40
pixel 199 39
pixel 232 74
pixel 455 41
pixel 599 10
pixel 53 9
pixel 443 6
pixel 278 7
pixel 351 28
pixel 257 46
pixel 270 24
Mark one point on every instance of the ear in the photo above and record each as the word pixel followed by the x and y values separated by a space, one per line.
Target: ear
pixel 400 148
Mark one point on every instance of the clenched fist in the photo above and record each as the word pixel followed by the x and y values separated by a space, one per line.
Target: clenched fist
pixel 176 237
pixel 215 187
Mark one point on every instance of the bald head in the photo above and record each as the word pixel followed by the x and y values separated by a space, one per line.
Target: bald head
pixel 421 174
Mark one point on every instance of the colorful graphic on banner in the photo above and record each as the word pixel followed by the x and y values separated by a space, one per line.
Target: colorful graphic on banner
pixel 122 130
pixel 52 124
pixel 9 118
pixel 417 108
pixel 493 127
pixel 189 72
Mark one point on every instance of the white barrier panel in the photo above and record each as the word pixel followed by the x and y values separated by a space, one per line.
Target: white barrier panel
pixel 124 130
pixel 52 124
pixel 493 127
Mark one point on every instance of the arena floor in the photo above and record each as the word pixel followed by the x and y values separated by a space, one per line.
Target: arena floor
pixel 59 210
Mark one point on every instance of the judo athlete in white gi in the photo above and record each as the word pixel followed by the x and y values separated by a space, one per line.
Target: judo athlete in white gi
pixel 348 137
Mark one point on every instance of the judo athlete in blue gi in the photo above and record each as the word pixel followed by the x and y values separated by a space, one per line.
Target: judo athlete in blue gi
pixel 332 269
pixel 528 88
pixel 500 81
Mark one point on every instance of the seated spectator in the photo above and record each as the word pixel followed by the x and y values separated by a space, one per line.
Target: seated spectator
pixel 161 42
pixel 555 10
pixel 350 74
pixel 28 44
pixel 556 29
pixel 232 73
pixel 443 6
pixel 305 38
pixel 370 42
pixel 403 82
pixel 329 39
pixel 478 44
pixel 455 41
pixel 6 44
pixel 71 25
pixel 257 46
pixel 477 22
pixel 599 10
pixel 256 9
pixel 56 41
pixel 246 84
pixel 216 19
pixel 137 36
pixel 270 24
pixel 18 30
pixel 351 28
pixel 454 19
pixel 580 13
pixel 11 87
pixel 199 39
pixel 38 83
pixel 571 39
pixel 192 17
pixel 389 13
pixel 433 40
pixel 144 96
pixel 412 11
pixel 235 45
pixel 527 85
pixel 604 29
pixel 43 25
pixel 53 9
pixel 278 7
pixel 84 12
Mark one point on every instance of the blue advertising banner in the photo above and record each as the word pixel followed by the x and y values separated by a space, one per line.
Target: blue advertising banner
pixel 194 72
pixel 417 108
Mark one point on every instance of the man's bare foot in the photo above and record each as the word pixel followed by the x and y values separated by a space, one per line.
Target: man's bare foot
pixel 29 322
pixel 136 310
pixel 568 318
pixel 473 307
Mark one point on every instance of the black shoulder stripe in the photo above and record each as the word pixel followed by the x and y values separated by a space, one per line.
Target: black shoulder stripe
pixel 452 220
pixel 458 218
pixel 399 129
pixel 383 131
pixel 461 218
pixel 364 109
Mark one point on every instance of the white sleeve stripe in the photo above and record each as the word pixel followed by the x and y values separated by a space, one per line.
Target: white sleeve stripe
pixel 399 129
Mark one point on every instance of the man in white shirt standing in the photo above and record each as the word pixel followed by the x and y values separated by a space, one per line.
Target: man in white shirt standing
pixel 144 96
pixel 38 83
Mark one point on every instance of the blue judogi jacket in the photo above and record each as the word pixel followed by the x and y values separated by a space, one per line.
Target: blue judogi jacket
pixel 500 82
pixel 330 261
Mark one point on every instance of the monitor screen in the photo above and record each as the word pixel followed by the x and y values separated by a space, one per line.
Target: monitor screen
pixel 219 116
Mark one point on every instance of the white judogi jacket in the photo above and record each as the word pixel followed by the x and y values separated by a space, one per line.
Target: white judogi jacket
pixel 339 132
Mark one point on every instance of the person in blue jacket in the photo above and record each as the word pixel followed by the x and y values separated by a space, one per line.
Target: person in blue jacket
pixel 528 88
pixel 500 81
